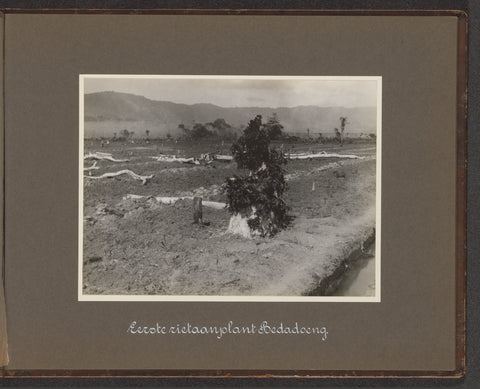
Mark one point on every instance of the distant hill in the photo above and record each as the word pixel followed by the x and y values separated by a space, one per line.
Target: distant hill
pixel 109 112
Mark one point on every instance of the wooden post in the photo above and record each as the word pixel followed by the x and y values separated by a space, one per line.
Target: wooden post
pixel 197 210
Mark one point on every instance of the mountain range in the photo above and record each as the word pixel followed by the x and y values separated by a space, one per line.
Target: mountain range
pixel 107 113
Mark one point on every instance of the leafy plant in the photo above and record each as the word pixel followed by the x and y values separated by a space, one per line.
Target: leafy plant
pixel 258 195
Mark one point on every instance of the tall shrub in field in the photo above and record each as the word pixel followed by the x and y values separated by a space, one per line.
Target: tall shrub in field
pixel 257 196
pixel 339 133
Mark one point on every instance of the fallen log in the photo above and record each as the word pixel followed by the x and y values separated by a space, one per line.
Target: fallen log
pixel 223 158
pixel 214 204
pixel 135 176
pixel 93 167
pixel 322 154
pixel 103 156
pixel 134 197
pixel 207 158
pixel 170 158
pixel 173 200
pixel 192 161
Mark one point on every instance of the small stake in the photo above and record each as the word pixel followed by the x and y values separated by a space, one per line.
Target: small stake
pixel 197 210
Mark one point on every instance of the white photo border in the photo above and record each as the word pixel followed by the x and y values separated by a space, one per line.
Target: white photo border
pixel 200 298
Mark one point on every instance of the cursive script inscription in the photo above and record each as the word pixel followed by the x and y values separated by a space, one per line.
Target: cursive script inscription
pixel 229 328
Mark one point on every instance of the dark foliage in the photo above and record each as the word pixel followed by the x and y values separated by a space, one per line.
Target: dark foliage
pixel 252 148
pixel 274 128
pixel 200 131
pixel 221 124
pixel 258 195
pixel 217 129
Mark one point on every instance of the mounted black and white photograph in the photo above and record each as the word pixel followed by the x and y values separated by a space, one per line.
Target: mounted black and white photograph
pixel 229 188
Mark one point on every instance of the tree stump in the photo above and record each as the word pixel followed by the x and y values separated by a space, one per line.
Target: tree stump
pixel 238 225
pixel 197 210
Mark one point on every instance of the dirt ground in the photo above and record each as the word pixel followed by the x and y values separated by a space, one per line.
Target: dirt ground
pixel 145 247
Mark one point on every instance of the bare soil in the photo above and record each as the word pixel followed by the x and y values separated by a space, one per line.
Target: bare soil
pixel 145 247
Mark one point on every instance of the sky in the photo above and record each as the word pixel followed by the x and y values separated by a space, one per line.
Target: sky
pixel 247 92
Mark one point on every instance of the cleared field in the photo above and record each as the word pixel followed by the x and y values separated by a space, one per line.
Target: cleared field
pixel 144 247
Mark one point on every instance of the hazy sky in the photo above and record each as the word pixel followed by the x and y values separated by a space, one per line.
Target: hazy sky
pixel 245 92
